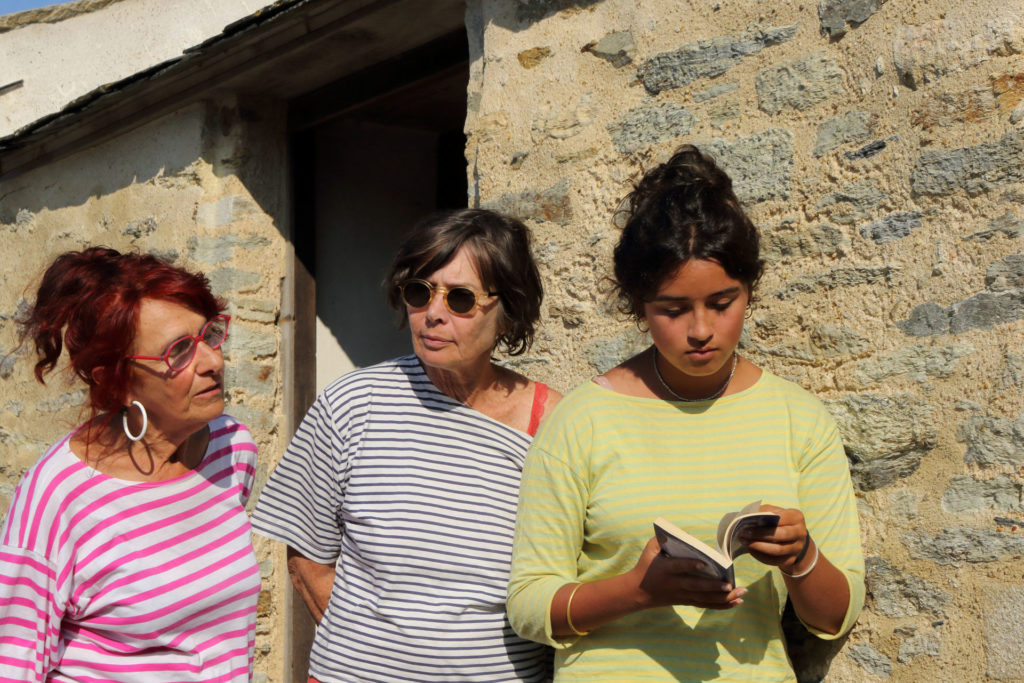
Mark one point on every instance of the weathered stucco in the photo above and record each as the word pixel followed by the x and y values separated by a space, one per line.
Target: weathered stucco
pixel 878 145
pixel 85 47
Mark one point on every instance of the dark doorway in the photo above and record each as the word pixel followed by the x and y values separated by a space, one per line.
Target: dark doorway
pixel 376 152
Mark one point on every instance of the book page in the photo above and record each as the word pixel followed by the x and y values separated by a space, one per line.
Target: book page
pixel 734 523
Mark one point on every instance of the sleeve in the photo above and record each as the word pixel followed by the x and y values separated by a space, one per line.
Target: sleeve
pixel 301 502
pixel 830 508
pixel 245 458
pixel 548 533
pixel 31 610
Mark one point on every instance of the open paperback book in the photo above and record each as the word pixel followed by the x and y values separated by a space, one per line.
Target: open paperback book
pixel 719 562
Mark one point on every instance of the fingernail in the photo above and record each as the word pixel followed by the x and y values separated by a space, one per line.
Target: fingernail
pixel 741 591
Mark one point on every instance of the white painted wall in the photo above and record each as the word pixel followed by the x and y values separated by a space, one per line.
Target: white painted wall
pixel 62 61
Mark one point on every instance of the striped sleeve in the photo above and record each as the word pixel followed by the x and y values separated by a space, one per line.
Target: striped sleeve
pixel 827 501
pixel 300 505
pixel 549 526
pixel 30 615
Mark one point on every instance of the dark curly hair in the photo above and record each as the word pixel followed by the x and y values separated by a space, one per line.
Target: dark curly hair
pixel 500 245
pixel 681 210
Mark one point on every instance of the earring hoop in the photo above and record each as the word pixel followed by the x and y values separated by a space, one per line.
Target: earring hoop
pixel 145 422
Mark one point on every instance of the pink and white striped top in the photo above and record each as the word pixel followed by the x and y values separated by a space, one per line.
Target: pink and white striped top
pixel 103 579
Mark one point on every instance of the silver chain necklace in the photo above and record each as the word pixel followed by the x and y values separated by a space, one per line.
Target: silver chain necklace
pixel 721 389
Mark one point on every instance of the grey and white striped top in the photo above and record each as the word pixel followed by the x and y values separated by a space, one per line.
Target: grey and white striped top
pixel 414 495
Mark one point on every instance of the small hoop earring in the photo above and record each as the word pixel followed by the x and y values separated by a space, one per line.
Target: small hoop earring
pixel 145 422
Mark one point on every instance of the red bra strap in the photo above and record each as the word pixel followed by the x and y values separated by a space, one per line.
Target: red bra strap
pixel 540 397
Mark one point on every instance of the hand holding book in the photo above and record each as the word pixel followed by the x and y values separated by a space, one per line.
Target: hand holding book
pixel 733 530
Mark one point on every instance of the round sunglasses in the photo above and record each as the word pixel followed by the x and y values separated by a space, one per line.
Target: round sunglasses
pixel 459 300
pixel 180 353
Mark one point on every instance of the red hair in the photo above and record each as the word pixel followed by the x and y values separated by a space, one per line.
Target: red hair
pixel 89 302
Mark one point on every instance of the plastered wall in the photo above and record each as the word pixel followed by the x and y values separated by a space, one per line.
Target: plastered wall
pixel 878 146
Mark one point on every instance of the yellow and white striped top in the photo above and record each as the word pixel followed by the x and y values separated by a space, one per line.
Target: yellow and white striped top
pixel 605 465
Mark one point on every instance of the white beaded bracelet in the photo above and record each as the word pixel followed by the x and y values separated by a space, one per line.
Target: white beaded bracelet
pixel 814 563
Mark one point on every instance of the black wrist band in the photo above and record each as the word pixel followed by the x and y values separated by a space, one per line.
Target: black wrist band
pixel 803 551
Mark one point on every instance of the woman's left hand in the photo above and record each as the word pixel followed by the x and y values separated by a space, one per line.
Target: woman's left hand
pixel 781 546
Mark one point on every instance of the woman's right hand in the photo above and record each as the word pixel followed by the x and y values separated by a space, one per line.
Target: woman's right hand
pixel 662 580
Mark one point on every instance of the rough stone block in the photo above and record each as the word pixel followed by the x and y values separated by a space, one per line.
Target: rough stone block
pixel 1009 91
pixel 1004 631
pixel 62 401
pixel 870 659
pixel 252 378
pixel 257 310
pixel 220 248
pixel 897 593
pixel 852 127
pixel 986 310
pixel 1007 225
pixel 967 494
pixel 645 126
pixel 227 280
pixel 917 362
pixel 993 440
pixel 225 211
pixel 799 85
pixel 531 58
pixel 551 204
pixel 140 228
pixel 760 165
pixel 895 226
pixel 959 545
pixel 823 341
pixel 605 354
pixel 836 15
pixel 862 197
pixel 925 320
pixel 707 58
pixel 7 364
pixel 617 48
pixel 925 53
pixel 885 436
pixel 955 108
pixel 715 91
pixel 980 168
pixel 921 644
pixel 789 241
pixel 246 343
pixel 839 277
pixel 1006 275
pixel 869 150
pixel 1013 371
pixel 565 122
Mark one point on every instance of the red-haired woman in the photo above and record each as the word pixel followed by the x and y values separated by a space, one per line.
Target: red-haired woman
pixel 126 553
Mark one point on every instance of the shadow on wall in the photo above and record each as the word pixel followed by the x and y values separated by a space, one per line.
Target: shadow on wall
pixel 521 15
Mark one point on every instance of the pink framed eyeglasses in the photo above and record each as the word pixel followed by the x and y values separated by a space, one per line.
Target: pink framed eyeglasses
pixel 180 353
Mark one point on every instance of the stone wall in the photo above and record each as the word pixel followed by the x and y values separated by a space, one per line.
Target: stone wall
pixel 187 187
pixel 878 145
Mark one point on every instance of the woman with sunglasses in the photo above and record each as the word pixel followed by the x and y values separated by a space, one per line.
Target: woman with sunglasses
pixel 126 553
pixel 688 429
pixel 397 495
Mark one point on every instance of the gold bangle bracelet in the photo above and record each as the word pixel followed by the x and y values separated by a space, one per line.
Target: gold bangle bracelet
pixel 568 611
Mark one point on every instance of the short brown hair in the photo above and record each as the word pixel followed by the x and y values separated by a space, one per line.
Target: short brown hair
pixel 500 245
